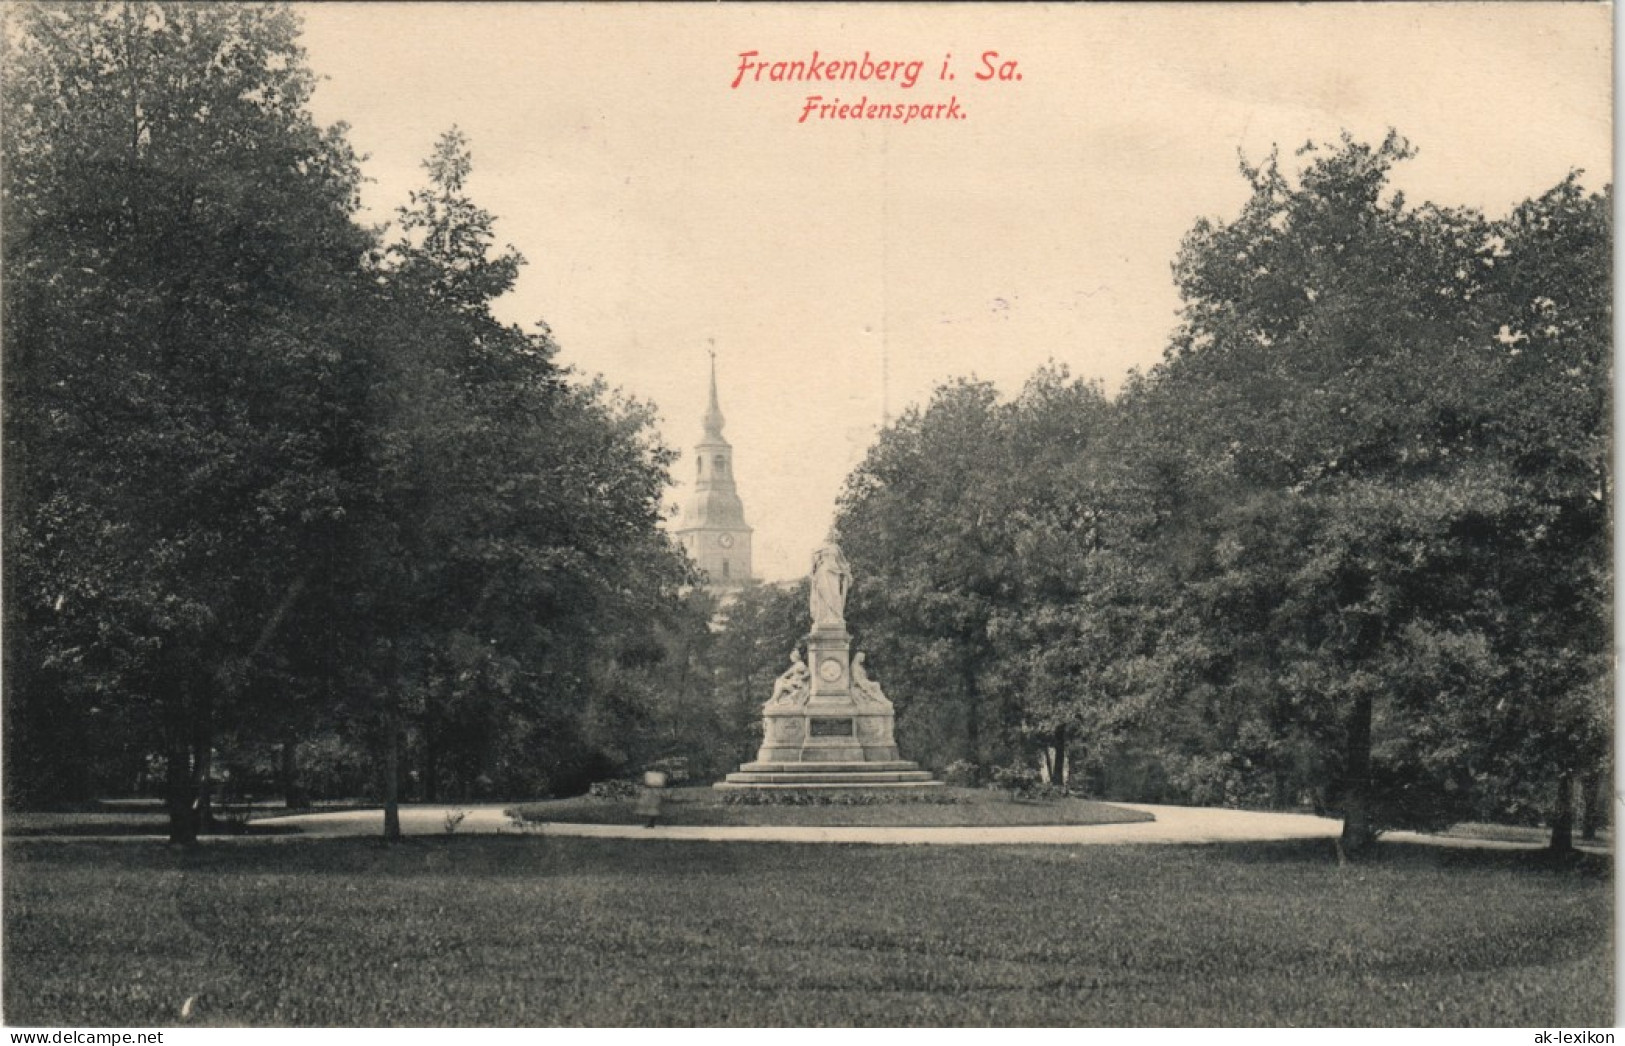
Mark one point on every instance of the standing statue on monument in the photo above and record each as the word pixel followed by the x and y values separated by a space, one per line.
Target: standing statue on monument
pixel 831 578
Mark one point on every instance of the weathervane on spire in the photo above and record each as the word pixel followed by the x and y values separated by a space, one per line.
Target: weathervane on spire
pixel 713 413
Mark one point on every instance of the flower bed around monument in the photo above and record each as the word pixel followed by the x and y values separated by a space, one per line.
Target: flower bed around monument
pixel 945 808
pixel 839 798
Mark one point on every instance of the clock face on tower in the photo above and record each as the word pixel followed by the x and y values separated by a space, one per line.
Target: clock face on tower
pixel 725 540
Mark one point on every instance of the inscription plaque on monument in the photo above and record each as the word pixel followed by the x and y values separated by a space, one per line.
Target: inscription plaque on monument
pixel 829 726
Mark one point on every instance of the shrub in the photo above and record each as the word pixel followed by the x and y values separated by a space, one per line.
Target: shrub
pixel 1026 783
pixel 674 767
pixel 613 789
pixel 573 773
pixel 962 773
pixel 1219 780
pixel 1408 795
pixel 1044 790
pixel 1018 779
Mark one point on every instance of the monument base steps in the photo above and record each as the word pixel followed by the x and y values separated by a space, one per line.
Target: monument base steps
pixel 790 776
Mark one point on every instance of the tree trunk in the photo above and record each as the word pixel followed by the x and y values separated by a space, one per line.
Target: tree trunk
pixel 203 761
pixel 1591 800
pixel 1058 767
pixel 391 781
pixel 293 796
pixel 1563 816
pixel 1358 834
pixel 973 716
pixel 187 774
pixel 180 796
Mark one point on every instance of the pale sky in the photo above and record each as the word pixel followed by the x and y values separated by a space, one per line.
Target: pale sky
pixel 660 207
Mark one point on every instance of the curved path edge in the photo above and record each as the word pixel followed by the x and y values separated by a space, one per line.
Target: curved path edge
pixel 1172 825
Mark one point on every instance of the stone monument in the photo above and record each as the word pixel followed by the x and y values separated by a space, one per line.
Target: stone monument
pixel 827 724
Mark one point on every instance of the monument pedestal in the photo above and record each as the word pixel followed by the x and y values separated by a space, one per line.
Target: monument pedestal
pixel 828 726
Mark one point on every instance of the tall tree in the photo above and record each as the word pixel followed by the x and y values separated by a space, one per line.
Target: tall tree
pixel 263 477
pixel 1002 554
pixel 918 520
pixel 1552 286
pixel 510 540
pixel 180 259
pixel 1074 638
pixel 1344 368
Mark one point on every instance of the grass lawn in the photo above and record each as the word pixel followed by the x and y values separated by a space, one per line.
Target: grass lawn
pixel 1520 834
pixel 139 818
pixel 529 931
pixel 972 807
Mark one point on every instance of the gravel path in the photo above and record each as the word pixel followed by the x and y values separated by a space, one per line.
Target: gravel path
pixel 1173 824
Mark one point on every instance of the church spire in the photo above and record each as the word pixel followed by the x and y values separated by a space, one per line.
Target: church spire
pixel 713 419
pixel 713 528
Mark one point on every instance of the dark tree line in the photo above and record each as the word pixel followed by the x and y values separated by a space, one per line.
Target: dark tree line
pixel 277 480
pixel 1347 544
pixel 282 494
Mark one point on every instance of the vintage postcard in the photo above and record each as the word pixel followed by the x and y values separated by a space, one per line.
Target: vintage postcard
pixel 800 515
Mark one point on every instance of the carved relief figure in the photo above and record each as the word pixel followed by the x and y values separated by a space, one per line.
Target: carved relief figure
pixel 862 685
pixel 793 686
pixel 831 577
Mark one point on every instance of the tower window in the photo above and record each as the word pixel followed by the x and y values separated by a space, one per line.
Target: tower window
pixel 725 568
pixel 720 465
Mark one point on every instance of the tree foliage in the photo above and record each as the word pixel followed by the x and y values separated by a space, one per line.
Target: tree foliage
pixel 178 250
pixel 271 477
pixel 1346 545
pixel 277 482
pixel 1359 372
pixel 1000 554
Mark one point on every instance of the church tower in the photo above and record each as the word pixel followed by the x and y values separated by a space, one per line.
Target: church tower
pixel 713 530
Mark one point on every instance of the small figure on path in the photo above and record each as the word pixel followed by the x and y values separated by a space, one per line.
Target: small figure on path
pixel 831 577
pixel 652 797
